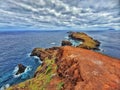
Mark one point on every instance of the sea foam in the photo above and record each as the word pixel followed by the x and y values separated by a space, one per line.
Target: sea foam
pixel 25 74
pixel 5 87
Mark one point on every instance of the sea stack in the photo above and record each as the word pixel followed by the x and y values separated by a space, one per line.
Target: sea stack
pixel 66 43
pixel 21 69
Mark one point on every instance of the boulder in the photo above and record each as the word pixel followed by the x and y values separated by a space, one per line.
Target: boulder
pixel 66 43
pixel 44 53
pixel 21 69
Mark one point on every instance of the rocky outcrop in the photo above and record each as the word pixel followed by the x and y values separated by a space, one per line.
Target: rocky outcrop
pixel 21 69
pixel 66 43
pixel 82 69
pixel 88 42
pixel 72 68
pixel 44 53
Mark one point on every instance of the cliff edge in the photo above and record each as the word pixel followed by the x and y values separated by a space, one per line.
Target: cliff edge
pixel 71 68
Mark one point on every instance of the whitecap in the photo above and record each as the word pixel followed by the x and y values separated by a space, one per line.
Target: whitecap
pixel 2 88
pixel 53 43
pixel 26 73
pixel 75 42
pixel 40 62
pixel 28 55
pixel 66 37
pixel 5 87
pixel 36 57
pixel 102 50
pixel 15 70
pixel 29 68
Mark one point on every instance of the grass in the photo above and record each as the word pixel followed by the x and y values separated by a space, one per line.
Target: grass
pixel 60 85
pixel 41 81
pixel 88 42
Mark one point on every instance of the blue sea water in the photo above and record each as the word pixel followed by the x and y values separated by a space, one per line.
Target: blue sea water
pixel 15 48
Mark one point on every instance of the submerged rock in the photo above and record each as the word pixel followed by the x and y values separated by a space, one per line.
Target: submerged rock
pixel 66 43
pixel 88 42
pixel 21 69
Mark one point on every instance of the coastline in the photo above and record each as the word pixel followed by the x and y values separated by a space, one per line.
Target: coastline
pixel 70 68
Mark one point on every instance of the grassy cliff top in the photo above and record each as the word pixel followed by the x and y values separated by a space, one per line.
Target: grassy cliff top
pixel 88 42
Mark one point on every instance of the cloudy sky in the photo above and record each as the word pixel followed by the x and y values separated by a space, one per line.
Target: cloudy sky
pixel 59 14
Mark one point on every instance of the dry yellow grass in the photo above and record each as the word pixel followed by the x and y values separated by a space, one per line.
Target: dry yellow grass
pixel 88 42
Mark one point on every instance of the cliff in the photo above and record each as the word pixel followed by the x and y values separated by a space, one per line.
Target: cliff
pixel 73 68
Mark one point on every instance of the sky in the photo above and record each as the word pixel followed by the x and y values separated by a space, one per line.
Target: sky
pixel 59 14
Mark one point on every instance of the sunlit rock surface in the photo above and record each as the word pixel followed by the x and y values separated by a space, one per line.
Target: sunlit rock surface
pixel 83 69
pixel 87 41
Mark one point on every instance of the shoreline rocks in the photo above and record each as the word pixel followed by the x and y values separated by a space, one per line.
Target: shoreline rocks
pixel 66 43
pixel 21 69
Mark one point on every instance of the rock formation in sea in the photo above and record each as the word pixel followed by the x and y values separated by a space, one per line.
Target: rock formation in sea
pixel 21 69
pixel 66 43
pixel 73 68
pixel 87 41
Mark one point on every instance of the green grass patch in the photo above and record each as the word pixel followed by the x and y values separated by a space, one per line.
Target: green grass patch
pixel 41 81
pixel 60 85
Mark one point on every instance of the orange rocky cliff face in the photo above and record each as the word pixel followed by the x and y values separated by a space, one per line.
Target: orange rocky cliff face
pixel 83 69
pixel 73 68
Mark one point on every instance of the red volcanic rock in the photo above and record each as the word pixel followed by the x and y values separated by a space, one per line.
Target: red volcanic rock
pixel 44 53
pixel 82 69
pixel 71 68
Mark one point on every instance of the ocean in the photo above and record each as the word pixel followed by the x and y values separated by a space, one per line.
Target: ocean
pixel 16 46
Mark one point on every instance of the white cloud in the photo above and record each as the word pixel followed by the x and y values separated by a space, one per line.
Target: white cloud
pixel 55 14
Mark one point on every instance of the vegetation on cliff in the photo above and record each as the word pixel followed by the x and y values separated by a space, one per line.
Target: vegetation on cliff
pixel 74 69
pixel 87 41
pixel 43 76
